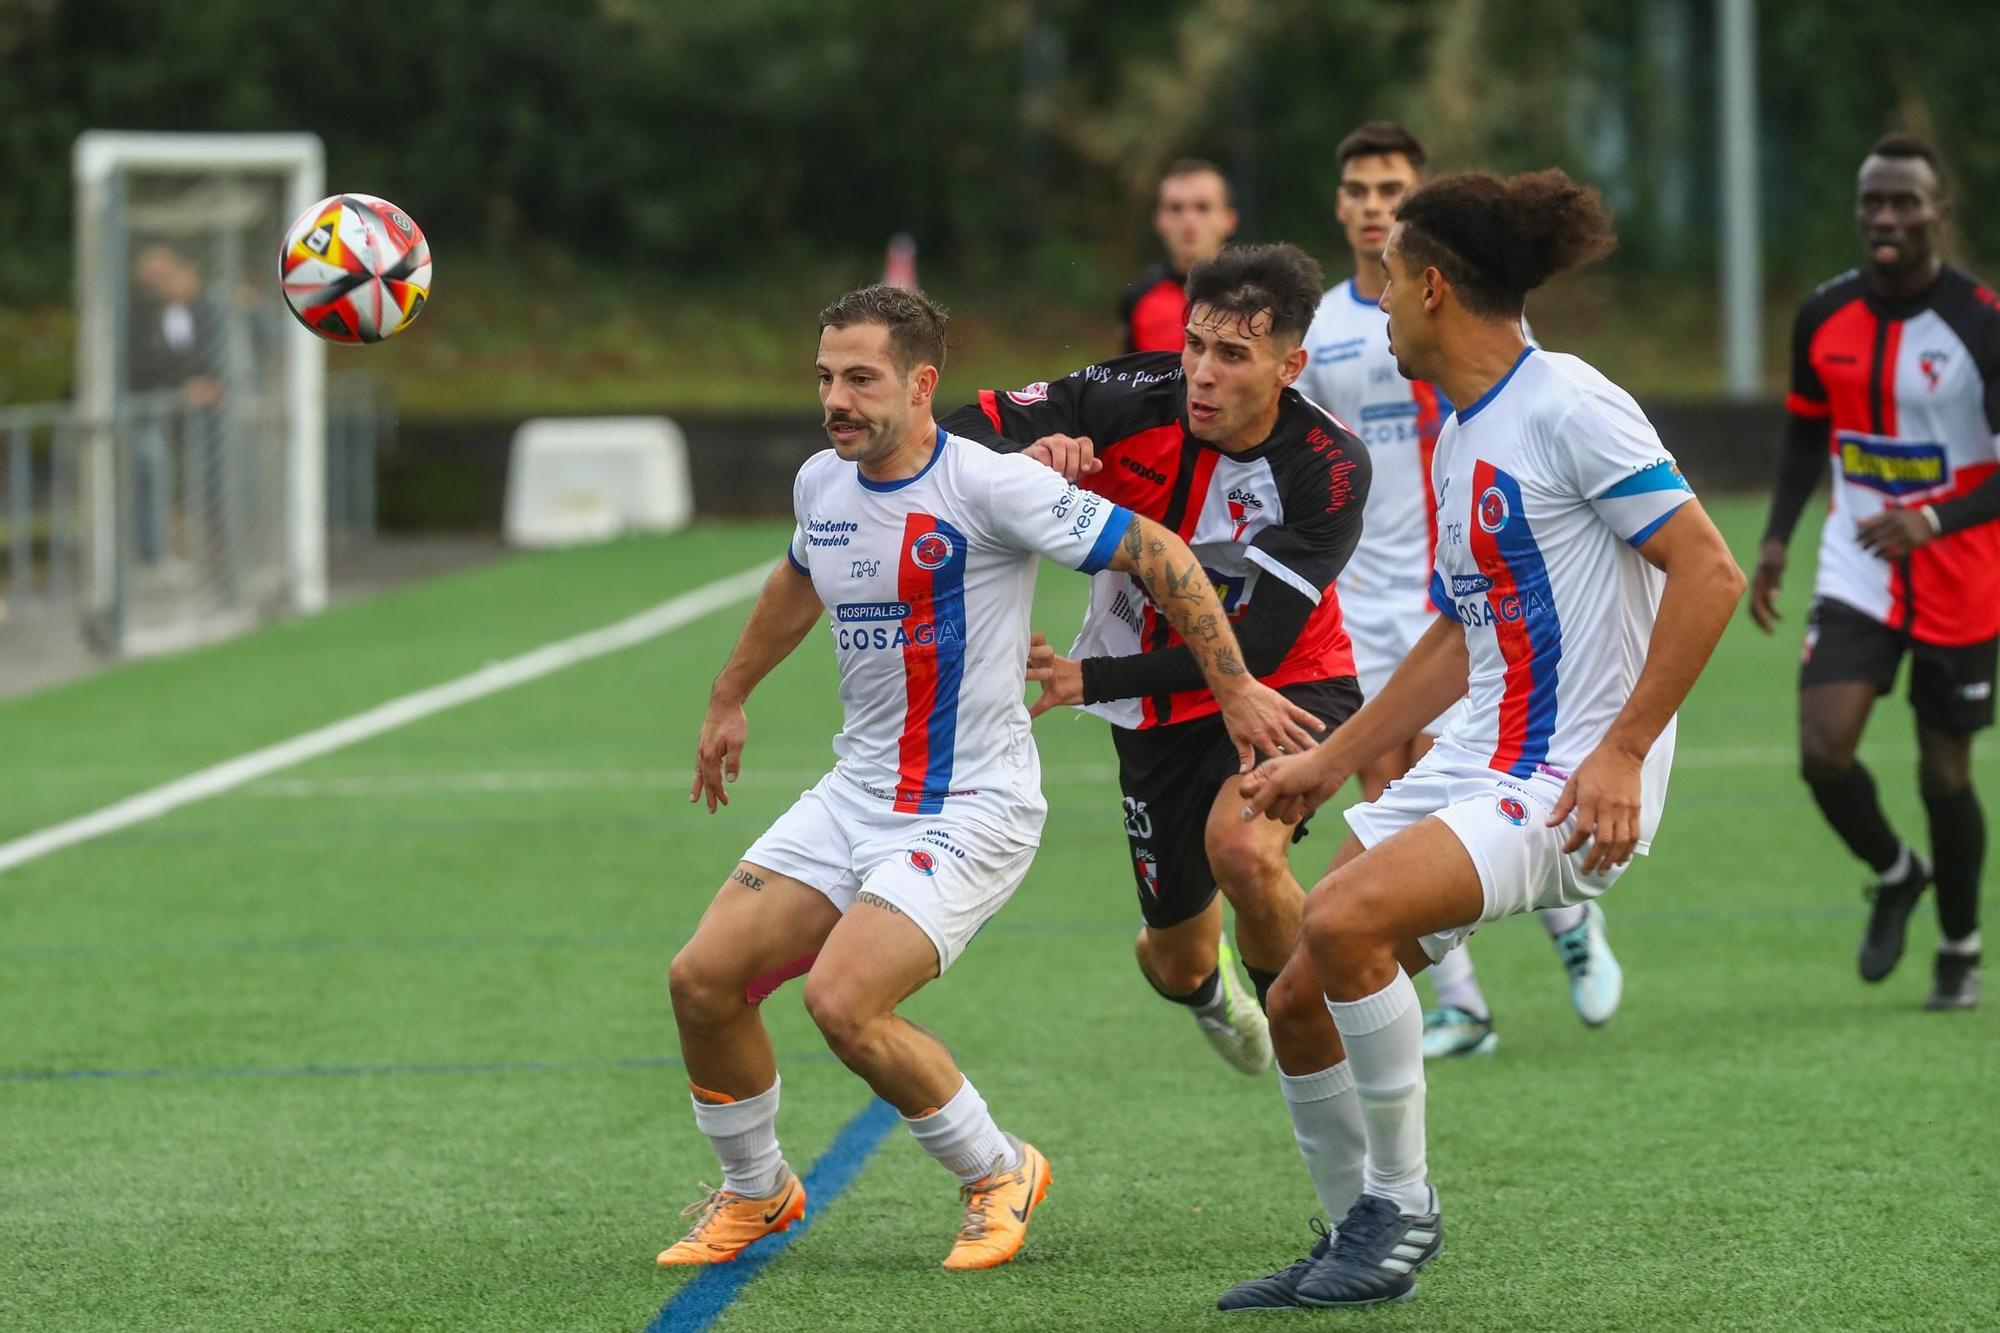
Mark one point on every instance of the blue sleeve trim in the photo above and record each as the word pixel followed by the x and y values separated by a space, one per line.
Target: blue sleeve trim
pixel 1115 525
pixel 1441 601
pixel 1638 538
pixel 1661 476
pixel 795 561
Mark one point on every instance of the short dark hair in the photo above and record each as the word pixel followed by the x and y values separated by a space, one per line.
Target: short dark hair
pixel 1197 166
pixel 1901 143
pixel 1497 239
pixel 1247 280
pixel 1380 138
pixel 915 322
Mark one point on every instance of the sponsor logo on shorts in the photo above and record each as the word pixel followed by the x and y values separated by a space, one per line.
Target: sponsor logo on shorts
pixel 1976 691
pixel 1512 809
pixel 1493 511
pixel 931 551
pixel 921 861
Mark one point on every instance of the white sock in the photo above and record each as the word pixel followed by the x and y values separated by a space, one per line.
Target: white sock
pixel 1968 945
pixel 962 1136
pixel 1384 1037
pixel 1326 1122
pixel 1560 920
pixel 1900 868
pixel 745 1137
pixel 1456 984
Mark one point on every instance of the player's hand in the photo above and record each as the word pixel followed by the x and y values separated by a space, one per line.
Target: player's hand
pixel 1604 794
pixel 1060 678
pixel 1289 787
pixel 1894 533
pixel 718 755
pixel 1262 721
pixel 1072 455
pixel 1764 584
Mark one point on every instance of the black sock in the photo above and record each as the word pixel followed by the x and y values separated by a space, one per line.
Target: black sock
pixel 1263 981
pixel 1848 801
pixel 1201 995
pixel 1958 846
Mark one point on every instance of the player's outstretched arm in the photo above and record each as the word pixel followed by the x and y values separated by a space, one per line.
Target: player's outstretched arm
pixel 1258 717
pixel 786 610
pixel 1703 584
pixel 1430 677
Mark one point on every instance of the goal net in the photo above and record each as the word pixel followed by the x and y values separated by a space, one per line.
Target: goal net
pixel 200 406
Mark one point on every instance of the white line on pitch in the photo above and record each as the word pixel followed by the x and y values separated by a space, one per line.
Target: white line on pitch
pixel 489 679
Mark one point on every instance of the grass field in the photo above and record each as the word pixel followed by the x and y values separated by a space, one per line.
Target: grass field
pixel 382 1042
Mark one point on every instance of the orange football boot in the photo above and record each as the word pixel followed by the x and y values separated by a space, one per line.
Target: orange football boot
pixel 730 1224
pixel 997 1211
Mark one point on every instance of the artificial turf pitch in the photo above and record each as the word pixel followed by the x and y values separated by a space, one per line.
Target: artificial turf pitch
pixel 382 1042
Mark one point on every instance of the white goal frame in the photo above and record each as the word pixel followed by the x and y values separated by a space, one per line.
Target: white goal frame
pixel 99 160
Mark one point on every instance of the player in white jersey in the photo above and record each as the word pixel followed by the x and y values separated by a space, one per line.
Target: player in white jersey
pixel 1581 591
pixel 923 546
pixel 1385 588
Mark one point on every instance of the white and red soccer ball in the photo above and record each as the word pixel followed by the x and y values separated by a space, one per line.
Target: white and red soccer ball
pixel 355 269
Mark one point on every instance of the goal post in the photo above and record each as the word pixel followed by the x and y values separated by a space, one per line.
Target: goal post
pixel 201 404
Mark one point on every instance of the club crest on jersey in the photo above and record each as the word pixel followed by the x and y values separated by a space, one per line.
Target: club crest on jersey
pixel 1513 810
pixel 931 551
pixel 1033 393
pixel 1243 506
pixel 1931 361
pixel 920 861
pixel 1493 511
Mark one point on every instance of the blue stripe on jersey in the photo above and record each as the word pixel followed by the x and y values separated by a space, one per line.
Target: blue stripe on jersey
pixel 1115 525
pixel 1638 538
pixel 947 608
pixel 900 483
pixel 1518 548
pixel 1441 600
pixel 1661 476
pixel 1466 414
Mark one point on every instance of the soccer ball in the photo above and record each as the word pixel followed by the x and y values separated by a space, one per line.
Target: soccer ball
pixel 355 269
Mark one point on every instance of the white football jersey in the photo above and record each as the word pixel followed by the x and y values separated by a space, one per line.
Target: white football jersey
pixel 1545 487
pixel 929 583
pixel 1352 375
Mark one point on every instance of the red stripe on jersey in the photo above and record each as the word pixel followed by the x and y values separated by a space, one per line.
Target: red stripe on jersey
pixel 1429 422
pixel 1512 635
pixel 1801 406
pixel 914 586
pixel 1197 495
pixel 1957 576
pixel 1840 352
pixel 989 403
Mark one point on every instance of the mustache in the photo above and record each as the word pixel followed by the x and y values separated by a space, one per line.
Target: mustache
pixel 843 419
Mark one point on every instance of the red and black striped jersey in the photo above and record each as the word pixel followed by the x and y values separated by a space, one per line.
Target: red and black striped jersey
pixel 1284 514
pixel 1910 393
pixel 1154 311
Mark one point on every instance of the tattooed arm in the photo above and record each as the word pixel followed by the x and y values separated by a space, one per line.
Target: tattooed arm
pixel 1258 718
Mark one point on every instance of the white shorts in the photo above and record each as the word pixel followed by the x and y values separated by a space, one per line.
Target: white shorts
pixel 947 873
pixel 1503 823
pixel 1382 638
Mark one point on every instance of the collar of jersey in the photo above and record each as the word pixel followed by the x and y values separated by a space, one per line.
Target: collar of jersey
pixel 1466 414
pixel 936 454
pixel 1354 294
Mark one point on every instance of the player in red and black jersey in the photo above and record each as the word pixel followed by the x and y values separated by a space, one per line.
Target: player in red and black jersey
pixel 1215 444
pixel 1896 376
pixel 1194 218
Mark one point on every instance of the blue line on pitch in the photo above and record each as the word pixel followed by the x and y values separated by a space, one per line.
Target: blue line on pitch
pixel 365 1071
pixel 699 1303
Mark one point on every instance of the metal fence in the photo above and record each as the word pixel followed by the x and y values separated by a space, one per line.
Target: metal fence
pixel 180 530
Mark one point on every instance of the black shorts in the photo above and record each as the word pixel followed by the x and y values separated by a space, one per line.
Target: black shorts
pixel 1170 777
pixel 1951 688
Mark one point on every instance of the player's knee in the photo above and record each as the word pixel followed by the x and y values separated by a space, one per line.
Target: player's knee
pixel 1341 918
pixel 702 990
pixel 1246 862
